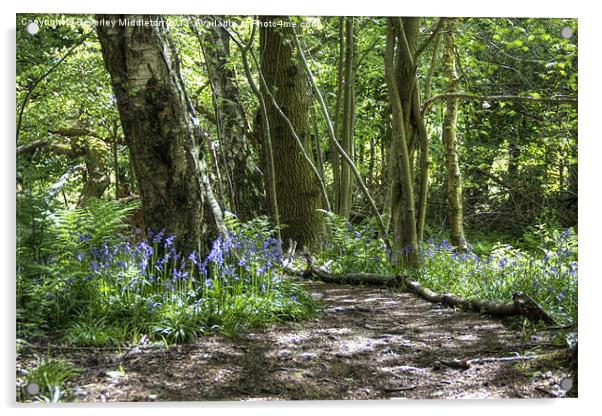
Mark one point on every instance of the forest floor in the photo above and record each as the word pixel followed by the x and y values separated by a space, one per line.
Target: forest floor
pixel 365 343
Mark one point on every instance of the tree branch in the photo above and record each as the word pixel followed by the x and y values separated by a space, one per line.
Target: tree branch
pixel 476 97
pixel 432 36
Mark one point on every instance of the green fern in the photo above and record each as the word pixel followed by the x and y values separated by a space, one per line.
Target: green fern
pixel 339 228
pixel 98 222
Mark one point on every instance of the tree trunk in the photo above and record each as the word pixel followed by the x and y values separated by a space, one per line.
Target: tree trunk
pixel 454 180
pixel 97 170
pixel 402 190
pixel 263 128
pixel 242 174
pixel 161 132
pixel 336 158
pixel 297 188
pixel 346 188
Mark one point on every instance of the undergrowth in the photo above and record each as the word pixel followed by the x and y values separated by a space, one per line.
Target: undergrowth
pixel 545 267
pixel 95 287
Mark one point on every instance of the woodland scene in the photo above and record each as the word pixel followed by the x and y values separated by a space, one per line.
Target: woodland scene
pixel 295 208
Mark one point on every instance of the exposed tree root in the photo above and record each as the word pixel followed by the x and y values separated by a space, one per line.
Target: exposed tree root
pixel 521 305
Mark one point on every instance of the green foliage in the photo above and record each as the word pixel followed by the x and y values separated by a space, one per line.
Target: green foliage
pixel 98 222
pixel 50 375
pixel 93 278
pixel 550 277
pixel 94 332
pixel 353 249
pixel 179 323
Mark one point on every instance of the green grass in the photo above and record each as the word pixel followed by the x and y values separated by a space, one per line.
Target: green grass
pixel 49 375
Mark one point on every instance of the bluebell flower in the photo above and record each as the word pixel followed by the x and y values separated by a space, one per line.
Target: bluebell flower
pixel 293 298
pixel 215 255
pixel 357 234
pixel 94 266
pixel 565 234
pixel 82 237
pixel 156 238
pixel 572 268
pixel 169 241
pixel 502 263
pixel 193 258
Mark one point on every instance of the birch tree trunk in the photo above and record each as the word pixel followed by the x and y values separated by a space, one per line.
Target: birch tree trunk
pixel 161 132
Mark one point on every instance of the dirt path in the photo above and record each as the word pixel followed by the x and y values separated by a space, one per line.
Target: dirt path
pixel 367 343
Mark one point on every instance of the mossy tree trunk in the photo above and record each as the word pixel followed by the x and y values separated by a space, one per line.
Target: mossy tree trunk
pixel 454 178
pixel 297 188
pixel 97 170
pixel 160 128
pixel 398 63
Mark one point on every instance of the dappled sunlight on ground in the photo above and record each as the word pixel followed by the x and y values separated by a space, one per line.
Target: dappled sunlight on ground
pixel 366 343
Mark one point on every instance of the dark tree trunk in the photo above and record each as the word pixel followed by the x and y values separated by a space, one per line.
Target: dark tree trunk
pixel 401 191
pixel 297 188
pixel 161 132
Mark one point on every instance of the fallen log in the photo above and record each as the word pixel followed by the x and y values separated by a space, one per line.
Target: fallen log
pixel 521 305
pixel 360 278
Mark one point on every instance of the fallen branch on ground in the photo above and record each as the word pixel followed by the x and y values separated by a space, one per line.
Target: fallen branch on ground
pixel 521 305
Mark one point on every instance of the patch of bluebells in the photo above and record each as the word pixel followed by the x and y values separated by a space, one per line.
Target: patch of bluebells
pixel 550 278
pixel 154 265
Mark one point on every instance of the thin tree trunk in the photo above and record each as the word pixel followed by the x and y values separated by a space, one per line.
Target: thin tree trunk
pixel 244 177
pixel 424 167
pixel 424 140
pixel 116 161
pixel 454 180
pixel 336 158
pixel 428 81
pixel 339 149
pixel 161 131
pixel 266 137
pixel 319 157
pixel 348 115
